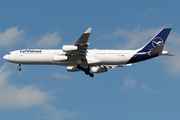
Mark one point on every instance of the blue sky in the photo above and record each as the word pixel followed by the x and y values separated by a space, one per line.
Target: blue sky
pixel 145 91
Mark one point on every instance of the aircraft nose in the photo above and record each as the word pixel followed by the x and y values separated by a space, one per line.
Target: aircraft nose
pixel 5 57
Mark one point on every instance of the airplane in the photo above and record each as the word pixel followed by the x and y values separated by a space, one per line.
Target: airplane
pixel 77 56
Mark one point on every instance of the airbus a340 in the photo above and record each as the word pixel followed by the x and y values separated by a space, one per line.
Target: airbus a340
pixel 77 56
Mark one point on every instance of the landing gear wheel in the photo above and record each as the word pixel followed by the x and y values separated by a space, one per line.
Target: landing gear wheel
pixel 91 74
pixel 85 70
pixel 79 67
pixel 19 69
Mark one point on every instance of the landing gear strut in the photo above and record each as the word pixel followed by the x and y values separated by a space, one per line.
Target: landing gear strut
pixel 85 70
pixel 19 68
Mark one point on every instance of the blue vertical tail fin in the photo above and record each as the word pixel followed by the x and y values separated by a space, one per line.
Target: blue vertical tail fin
pixel 153 48
pixel 157 42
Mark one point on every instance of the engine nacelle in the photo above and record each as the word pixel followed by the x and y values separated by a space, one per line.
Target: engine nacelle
pixel 72 69
pixel 98 70
pixel 68 48
pixel 59 58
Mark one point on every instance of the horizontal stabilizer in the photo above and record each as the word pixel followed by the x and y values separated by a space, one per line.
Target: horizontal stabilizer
pixel 156 50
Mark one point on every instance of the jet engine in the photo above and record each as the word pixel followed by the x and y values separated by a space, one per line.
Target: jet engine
pixel 59 58
pixel 68 48
pixel 72 69
pixel 98 70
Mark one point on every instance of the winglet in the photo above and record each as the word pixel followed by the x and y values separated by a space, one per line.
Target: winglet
pixel 88 30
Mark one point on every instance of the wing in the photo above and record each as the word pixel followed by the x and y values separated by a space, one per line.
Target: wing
pixel 84 38
pixel 113 66
pixel 82 45
pixel 103 68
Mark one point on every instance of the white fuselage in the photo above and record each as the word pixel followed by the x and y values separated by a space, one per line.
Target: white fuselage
pixel 94 57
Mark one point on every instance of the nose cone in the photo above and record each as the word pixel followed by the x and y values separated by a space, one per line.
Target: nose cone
pixel 5 57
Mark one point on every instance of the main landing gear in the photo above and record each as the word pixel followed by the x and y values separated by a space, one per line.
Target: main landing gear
pixel 85 70
pixel 19 68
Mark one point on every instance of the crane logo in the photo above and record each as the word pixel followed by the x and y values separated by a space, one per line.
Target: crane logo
pixel 157 41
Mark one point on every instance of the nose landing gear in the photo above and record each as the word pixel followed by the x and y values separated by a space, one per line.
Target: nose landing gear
pixel 19 68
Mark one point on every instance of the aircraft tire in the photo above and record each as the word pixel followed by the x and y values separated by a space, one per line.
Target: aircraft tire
pixel 79 67
pixel 19 69
pixel 91 74
pixel 86 72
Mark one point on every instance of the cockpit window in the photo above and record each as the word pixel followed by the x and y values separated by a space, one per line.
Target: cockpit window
pixel 9 53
